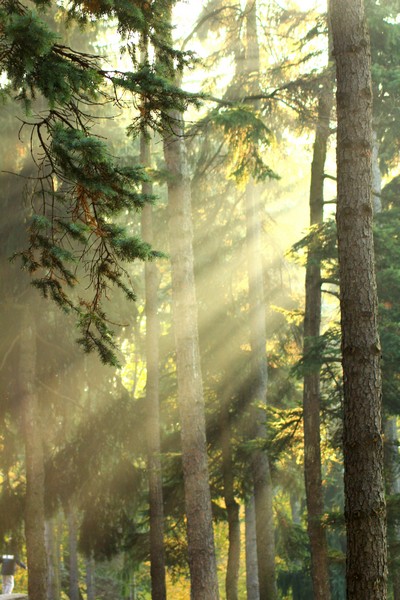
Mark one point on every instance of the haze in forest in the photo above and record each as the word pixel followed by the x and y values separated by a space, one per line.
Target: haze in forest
pixel 171 352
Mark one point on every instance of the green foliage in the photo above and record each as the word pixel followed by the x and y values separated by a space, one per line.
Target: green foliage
pixel 79 233
pixel 35 62
pixel 293 547
pixel 388 281
pixel 108 526
pixel 323 350
pixel 384 30
pixel 93 466
pixel 58 78
pixel 12 505
pixel 159 97
pixel 25 41
pixel 320 247
pixel 284 427
pixel 149 19
pixel 246 137
pixel 81 189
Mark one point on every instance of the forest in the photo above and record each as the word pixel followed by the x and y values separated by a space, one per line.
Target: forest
pixel 200 299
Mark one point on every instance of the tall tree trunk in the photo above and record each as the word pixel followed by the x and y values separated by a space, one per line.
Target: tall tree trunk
pixel 157 554
pixel 263 493
pixel 252 587
pixel 311 392
pixel 34 461
pixel 232 507
pixel 365 508
pixel 391 455
pixel 202 562
pixel 200 534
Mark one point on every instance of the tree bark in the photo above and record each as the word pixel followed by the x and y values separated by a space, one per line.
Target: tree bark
pixel 232 507
pixel 202 562
pixel 252 587
pixel 157 553
pixel 365 510
pixel 311 390
pixel 53 560
pixel 34 461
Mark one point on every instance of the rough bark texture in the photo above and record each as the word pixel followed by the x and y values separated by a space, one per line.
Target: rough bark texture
pixel 311 392
pixel 34 502
pixel 362 444
pixel 232 507
pixel 252 587
pixel 157 553
pixel 202 563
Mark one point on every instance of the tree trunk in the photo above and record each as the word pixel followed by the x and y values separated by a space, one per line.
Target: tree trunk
pixel 295 508
pixel 232 507
pixel 263 493
pixel 34 503
pixel 202 563
pixel 365 509
pixel 262 484
pixel 311 391
pixel 73 554
pixel 53 569
pixel 157 554
pixel 90 586
pixel 252 587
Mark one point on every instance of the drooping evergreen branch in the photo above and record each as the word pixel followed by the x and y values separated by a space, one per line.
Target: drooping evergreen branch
pixel 80 188
pixel 246 136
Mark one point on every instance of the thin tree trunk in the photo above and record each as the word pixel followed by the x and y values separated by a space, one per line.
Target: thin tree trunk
pixel 252 587
pixel 34 461
pixel 90 585
pixel 202 562
pixel 232 507
pixel 73 554
pixel 391 457
pixel 263 493
pixel 365 508
pixel 157 553
pixel 311 392
pixel 53 568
